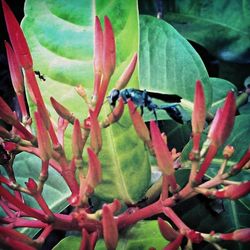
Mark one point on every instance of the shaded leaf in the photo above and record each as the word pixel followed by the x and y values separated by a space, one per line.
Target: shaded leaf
pixel 222 27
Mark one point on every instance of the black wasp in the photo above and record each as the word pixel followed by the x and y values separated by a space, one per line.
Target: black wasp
pixel 41 76
pixel 143 99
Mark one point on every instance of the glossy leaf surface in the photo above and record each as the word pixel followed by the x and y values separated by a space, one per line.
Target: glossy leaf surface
pixel 168 63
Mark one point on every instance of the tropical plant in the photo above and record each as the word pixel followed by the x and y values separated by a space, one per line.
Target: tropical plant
pixel 69 149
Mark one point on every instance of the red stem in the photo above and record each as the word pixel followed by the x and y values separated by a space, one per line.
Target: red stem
pixel 28 210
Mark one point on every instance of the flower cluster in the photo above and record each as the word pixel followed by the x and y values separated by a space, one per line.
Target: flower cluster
pixel 48 145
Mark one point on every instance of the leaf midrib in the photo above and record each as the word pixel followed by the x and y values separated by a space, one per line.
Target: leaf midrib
pixel 121 185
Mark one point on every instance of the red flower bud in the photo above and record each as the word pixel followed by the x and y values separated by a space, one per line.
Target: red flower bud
pixel 126 75
pixel 94 175
pixel 163 155
pixel 43 138
pixel 110 231
pixel 166 230
pixel 139 125
pixel 98 56
pixel 228 151
pixel 242 235
pixel 223 122
pixel 31 185
pixel 116 114
pixel 17 38
pixel 77 141
pixel 15 70
pixel 62 111
pixel 95 133
pixel 199 111
pixel 234 191
pixel 98 47
pixel 115 206
pixel 109 53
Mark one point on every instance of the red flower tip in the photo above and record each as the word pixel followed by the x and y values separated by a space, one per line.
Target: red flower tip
pixel 115 206
pixel 94 175
pixel 77 141
pixel 198 115
pixel 17 38
pixel 199 111
pixel 139 125
pixel 95 132
pixel 163 155
pixel 98 47
pixel 242 235
pixel 110 231
pixel 43 139
pixel 223 122
pixel 234 191
pixel 62 111
pixel 15 70
pixel 31 185
pixel 116 114
pixel 126 75
pixel 166 230
pixel 109 53
pixel 243 161
pixel 98 57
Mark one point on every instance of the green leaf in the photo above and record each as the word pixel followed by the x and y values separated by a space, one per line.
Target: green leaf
pixel 55 190
pixel 143 235
pixel 245 109
pixel 168 63
pixel 239 139
pixel 222 27
pixel 220 90
pixel 63 52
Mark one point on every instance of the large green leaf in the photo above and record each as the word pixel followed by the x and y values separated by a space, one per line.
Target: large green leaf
pixel 143 235
pixel 55 191
pixel 60 36
pixel 223 27
pixel 168 63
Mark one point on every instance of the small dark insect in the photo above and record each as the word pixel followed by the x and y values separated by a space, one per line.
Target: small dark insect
pixel 143 99
pixel 41 76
